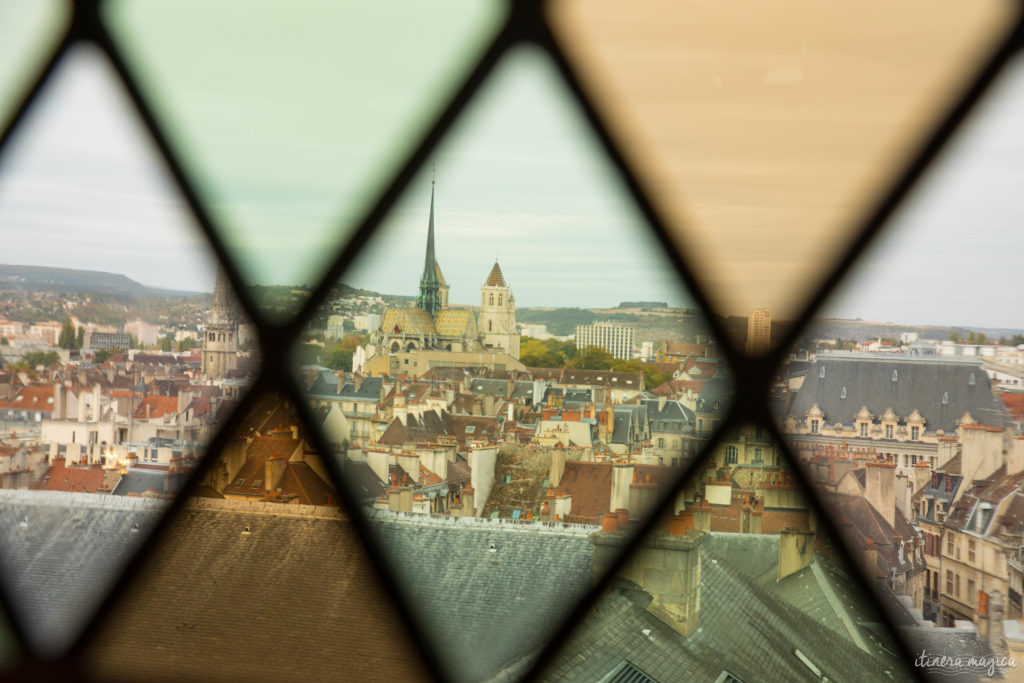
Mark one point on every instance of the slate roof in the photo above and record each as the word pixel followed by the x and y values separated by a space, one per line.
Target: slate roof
pixel 716 392
pixel 672 417
pixel 325 385
pixel 487 609
pixel 920 385
pixel 745 629
pixel 138 481
pixel 62 559
pixel 627 417
pixel 499 387
pixel 291 600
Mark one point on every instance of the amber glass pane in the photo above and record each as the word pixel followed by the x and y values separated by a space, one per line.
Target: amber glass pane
pixel 510 358
pixel 265 583
pixel 290 116
pixel 908 388
pixel 740 579
pixel 29 32
pixel 765 130
pixel 118 363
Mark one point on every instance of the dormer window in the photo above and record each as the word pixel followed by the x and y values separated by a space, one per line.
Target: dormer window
pixel 842 394
pixel 945 398
pixel 915 433
pixel 821 373
pixel 894 375
pixel 970 380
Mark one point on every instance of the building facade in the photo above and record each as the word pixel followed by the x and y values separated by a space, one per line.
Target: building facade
pixel 617 340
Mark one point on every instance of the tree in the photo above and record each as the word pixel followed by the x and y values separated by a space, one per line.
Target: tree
pixel 45 358
pixel 165 343
pixel 353 341
pixel 103 355
pixel 972 338
pixel 981 338
pixel 67 335
pixel 4 342
pixel 954 337
pixel 338 358
pixel 187 344
pixel 592 358
pixel 80 337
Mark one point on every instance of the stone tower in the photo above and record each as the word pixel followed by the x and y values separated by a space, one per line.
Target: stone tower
pixel 497 323
pixel 220 339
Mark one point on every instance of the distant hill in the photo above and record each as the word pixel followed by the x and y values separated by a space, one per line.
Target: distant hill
pixel 46 279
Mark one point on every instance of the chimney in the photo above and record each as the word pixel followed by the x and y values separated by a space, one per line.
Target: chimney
pixel 643 494
pixel 904 496
pixel 796 551
pixel 83 405
pixel 880 489
pixel 467 497
pixel 558 466
pixel 622 477
pixel 274 466
pixel 58 401
pixel 702 516
pixel 96 403
pixel 922 475
pixel 662 400
pixel 871 560
pixel 666 566
pixel 996 614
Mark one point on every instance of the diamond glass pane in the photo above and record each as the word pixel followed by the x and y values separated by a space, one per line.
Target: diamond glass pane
pixel 29 32
pixel 118 363
pixel 290 116
pixel 512 352
pixel 765 131
pixel 741 579
pixel 909 387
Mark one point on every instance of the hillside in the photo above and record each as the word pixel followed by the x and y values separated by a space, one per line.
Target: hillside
pixel 47 279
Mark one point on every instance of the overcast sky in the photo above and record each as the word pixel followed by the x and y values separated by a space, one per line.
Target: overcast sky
pixel 954 254
pixel 519 179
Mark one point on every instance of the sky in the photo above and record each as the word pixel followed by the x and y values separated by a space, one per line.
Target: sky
pixel 288 165
pixel 954 253
pixel 81 187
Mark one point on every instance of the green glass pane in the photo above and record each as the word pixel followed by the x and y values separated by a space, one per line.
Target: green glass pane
pixel 290 116
pixel 29 31
pixel 510 358
pixel 740 583
pixel 119 362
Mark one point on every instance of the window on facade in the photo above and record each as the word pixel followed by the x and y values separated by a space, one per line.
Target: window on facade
pixel 971 551
pixel 956 587
pixel 949 582
pixel 949 544
pixel 757 456
pixel 915 433
pixel 971 597
pixel 731 455
pixel 814 426
pixel 863 428
pixel 888 431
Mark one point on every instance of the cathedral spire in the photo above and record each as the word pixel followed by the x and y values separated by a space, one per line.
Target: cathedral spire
pixel 429 299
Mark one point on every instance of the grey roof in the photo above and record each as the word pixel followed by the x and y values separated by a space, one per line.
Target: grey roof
pixel 499 387
pixel 626 417
pixel 673 417
pixel 138 481
pixel 716 392
pixel 487 609
pixel 59 553
pixel 921 384
pixel 745 629
pixel 325 385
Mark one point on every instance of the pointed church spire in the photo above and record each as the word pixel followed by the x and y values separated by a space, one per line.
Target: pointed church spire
pixel 429 299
